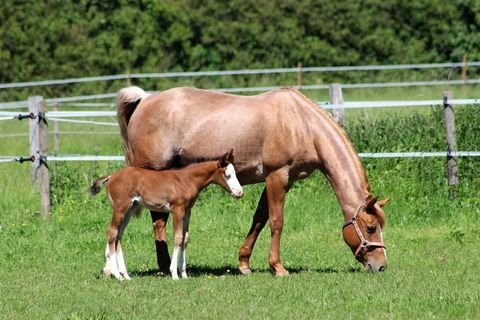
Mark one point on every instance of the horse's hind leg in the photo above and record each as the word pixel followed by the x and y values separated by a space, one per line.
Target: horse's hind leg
pixel 259 220
pixel 159 220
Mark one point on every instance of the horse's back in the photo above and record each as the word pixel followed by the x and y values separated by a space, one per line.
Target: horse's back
pixel 187 123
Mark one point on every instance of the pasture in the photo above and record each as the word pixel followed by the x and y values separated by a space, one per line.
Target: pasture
pixel 52 269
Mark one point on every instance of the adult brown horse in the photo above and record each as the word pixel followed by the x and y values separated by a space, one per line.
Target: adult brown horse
pixel 278 137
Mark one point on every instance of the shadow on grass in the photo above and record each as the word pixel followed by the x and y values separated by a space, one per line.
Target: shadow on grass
pixel 229 270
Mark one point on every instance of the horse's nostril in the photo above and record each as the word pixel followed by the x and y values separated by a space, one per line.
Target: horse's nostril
pixel 381 269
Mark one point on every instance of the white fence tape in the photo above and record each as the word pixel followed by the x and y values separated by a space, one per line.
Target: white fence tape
pixel 4 159
pixel 239 72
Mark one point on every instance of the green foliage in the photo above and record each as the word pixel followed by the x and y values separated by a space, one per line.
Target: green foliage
pixel 62 39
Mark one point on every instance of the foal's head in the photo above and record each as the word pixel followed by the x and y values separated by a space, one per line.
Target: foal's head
pixel 225 175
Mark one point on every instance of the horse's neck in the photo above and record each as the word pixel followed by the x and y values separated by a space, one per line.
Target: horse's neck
pixel 340 164
pixel 201 175
pixel 350 188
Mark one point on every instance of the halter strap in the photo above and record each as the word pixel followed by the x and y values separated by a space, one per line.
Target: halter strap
pixel 364 243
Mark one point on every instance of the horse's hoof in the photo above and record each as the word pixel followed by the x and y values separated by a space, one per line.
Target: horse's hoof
pixel 283 273
pixel 245 271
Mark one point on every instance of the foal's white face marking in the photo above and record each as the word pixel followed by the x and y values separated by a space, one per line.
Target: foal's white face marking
pixel 232 181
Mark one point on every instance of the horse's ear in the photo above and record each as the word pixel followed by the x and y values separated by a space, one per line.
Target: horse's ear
pixel 383 203
pixel 370 201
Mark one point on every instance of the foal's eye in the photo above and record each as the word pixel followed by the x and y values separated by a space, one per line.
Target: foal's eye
pixel 371 229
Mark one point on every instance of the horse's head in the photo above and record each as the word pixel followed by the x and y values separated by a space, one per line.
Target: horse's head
pixel 228 178
pixel 363 234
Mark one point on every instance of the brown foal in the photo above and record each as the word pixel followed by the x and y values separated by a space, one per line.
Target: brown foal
pixel 172 191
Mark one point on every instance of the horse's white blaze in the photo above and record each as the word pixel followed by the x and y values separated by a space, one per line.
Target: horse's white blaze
pixel 232 181
pixel 381 240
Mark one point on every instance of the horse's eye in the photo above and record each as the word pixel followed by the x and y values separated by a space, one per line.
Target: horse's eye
pixel 371 229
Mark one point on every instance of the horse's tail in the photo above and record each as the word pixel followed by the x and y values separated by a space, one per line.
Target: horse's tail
pixel 98 184
pixel 127 101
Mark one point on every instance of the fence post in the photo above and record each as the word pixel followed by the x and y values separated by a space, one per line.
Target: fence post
pixel 336 97
pixel 451 143
pixel 39 149
pixel 299 75
pixel 56 132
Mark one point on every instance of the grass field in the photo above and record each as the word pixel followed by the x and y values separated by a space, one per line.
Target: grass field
pixel 51 269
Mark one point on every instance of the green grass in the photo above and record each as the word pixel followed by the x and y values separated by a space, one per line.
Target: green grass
pixel 51 269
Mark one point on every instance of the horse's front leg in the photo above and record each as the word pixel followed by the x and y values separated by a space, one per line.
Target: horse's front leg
pixel 178 214
pixel 277 187
pixel 259 220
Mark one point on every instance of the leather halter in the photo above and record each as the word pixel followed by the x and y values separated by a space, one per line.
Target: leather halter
pixel 365 245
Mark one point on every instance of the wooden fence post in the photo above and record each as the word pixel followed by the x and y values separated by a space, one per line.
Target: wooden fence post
pixel 451 143
pixel 56 132
pixel 39 149
pixel 336 97
pixel 299 75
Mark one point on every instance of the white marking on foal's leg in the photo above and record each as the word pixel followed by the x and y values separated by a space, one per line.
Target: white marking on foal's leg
pixel 122 268
pixel 183 262
pixel 183 255
pixel 113 265
pixel 174 263
pixel 106 270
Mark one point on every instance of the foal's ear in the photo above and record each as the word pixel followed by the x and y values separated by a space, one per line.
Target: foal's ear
pixel 231 158
pixel 224 161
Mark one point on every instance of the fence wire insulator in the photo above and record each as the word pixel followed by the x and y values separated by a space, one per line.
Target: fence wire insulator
pixel 43 160
pixel 42 118
pixel 26 116
pixel 26 159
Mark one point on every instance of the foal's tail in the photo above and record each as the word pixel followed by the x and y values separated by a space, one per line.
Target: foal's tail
pixel 97 185
pixel 127 101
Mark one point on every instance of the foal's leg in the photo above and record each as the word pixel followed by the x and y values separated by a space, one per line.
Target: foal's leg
pixel 259 220
pixel 178 214
pixel 122 268
pixel 183 257
pixel 111 265
pixel 159 220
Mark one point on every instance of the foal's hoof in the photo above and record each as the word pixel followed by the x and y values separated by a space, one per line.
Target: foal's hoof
pixel 125 276
pixel 106 273
pixel 245 271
